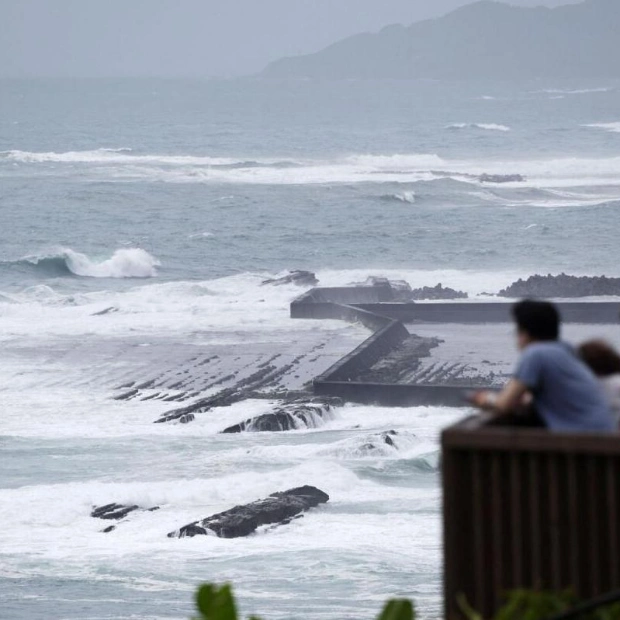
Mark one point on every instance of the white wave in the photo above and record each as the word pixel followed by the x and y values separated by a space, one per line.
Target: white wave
pixel 125 263
pixel 576 91
pixel 612 127
pixel 114 156
pixel 487 126
pixel 402 168
pixel 488 98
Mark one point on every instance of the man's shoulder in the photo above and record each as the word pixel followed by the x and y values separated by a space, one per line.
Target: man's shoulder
pixel 550 348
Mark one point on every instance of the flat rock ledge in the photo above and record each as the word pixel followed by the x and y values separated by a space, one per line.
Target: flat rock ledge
pixel 277 509
pixel 298 414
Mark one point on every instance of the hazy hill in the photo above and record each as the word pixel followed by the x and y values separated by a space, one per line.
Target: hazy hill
pixel 481 40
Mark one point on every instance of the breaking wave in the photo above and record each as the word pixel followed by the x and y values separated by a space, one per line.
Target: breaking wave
pixel 124 263
pixel 487 126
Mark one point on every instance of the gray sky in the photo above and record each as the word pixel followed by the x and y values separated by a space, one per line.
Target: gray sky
pixel 76 38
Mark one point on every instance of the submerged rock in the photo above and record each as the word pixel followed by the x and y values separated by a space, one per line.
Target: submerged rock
pixel 278 508
pixel 377 442
pixel 297 276
pixel 562 286
pixel 291 416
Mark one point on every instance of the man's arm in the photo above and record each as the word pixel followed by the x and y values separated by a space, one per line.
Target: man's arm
pixel 507 400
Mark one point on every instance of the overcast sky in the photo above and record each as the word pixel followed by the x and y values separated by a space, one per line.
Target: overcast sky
pixel 77 38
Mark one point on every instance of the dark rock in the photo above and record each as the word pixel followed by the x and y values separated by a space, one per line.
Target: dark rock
pixel 501 178
pixel 373 444
pixel 112 511
pixel 109 310
pixel 297 276
pixel 387 438
pixel 297 414
pixel 436 292
pixel 278 508
pixel 562 286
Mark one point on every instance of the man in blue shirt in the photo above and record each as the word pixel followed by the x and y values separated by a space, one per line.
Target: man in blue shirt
pixel 564 391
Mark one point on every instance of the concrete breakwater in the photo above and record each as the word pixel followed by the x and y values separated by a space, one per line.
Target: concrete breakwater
pixel 397 367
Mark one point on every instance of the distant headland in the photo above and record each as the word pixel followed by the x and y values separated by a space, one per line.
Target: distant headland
pixel 483 40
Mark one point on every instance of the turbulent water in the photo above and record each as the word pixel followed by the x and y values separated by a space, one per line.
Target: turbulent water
pixel 138 221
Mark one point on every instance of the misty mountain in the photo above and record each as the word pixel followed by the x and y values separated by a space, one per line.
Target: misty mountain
pixel 485 39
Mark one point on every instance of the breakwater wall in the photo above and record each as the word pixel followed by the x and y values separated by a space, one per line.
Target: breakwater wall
pixel 375 307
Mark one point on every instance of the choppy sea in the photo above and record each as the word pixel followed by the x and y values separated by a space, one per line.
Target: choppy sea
pixel 170 202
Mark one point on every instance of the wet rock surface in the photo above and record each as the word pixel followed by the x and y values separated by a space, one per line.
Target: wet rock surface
pixel 401 364
pixel 562 285
pixel 290 416
pixel 297 276
pixel 277 509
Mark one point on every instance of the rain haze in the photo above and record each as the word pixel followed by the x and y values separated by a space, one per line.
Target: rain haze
pixel 71 38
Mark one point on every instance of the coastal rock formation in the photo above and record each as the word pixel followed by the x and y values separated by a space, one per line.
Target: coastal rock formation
pixel 437 292
pixel 291 416
pixel 279 508
pixel 562 286
pixel 297 276
pixel 501 178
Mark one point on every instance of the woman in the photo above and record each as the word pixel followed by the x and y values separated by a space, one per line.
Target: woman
pixel 605 364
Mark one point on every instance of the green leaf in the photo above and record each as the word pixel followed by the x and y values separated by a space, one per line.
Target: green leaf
pixel 216 603
pixel 465 607
pixel 398 609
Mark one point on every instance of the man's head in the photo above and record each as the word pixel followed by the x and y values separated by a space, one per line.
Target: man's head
pixel 536 321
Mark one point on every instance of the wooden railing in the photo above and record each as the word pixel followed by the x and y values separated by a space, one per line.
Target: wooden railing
pixel 527 508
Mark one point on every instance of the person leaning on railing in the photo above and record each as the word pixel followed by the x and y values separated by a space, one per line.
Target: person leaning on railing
pixel 563 391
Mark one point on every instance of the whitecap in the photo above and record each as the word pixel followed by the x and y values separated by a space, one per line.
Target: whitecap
pixel 487 126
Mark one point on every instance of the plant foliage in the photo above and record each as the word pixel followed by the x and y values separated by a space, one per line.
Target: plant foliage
pixel 218 603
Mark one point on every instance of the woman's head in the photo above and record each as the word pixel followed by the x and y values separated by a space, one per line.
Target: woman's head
pixel 601 357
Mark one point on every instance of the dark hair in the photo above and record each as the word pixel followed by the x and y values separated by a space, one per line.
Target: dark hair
pixel 600 357
pixel 539 319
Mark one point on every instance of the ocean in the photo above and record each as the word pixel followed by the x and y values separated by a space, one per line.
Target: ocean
pixel 139 219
